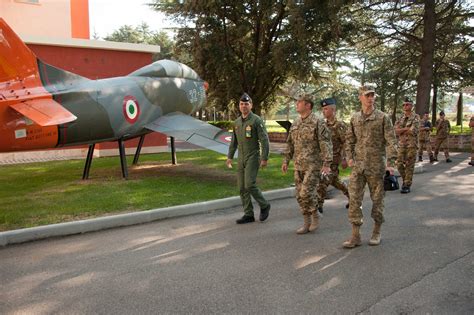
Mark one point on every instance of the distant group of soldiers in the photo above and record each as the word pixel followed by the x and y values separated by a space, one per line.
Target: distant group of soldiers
pixel 414 138
pixel 317 146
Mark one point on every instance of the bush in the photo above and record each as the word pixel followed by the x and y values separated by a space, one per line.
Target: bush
pixel 223 124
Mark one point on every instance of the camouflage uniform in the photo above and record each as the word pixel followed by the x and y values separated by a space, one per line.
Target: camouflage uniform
pixel 338 133
pixel 442 132
pixel 407 146
pixel 249 133
pixel 368 138
pixel 424 142
pixel 309 145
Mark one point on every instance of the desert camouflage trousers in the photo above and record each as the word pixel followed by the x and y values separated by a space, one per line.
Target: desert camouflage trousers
pixel 332 179
pixel 441 143
pixel 406 164
pixel 424 145
pixel 357 183
pixel 306 183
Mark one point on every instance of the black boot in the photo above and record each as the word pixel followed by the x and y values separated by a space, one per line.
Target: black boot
pixel 320 209
pixel 432 159
pixel 471 163
pixel 448 160
pixel 264 212
pixel 420 158
pixel 405 190
pixel 245 219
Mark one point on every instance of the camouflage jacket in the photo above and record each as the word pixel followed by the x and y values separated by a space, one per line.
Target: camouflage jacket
pixel 425 134
pixel 309 144
pixel 408 139
pixel 338 138
pixel 369 139
pixel 442 128
pixel 249 133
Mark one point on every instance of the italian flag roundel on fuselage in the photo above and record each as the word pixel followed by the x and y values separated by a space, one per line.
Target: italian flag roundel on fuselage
pixel 131 109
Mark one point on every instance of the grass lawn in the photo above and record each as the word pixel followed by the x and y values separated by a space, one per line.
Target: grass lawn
pixel 53 192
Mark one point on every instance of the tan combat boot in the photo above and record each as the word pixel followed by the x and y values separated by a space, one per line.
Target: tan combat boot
pixel 314 221
pixel 355 238
pixel 305 228
pixel 375 239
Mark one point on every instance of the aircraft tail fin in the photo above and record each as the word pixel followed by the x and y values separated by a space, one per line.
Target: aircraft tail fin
pixel 22 86
pixel 17 61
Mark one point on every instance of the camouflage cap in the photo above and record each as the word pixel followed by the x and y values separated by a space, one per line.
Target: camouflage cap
pixel 408 101
pixel 327 102
pixel 245 98
pixel 366 89
pixel 307 98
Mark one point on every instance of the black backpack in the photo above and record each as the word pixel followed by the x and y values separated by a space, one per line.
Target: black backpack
pixel 390 182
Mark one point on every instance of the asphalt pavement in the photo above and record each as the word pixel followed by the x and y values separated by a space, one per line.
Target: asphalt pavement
pixel 206 263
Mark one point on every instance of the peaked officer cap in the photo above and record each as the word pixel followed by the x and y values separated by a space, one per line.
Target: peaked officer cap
pixel 245 98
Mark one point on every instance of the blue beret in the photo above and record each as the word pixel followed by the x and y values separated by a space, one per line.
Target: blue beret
pixel 245 98
pixel 328 101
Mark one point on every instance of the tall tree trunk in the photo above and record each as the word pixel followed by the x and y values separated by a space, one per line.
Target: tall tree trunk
pixel 396 97
pixel 459 111
pixel 426 61
pixel 395 105
pixel 434 107
pixel 362 78
pixel 382 101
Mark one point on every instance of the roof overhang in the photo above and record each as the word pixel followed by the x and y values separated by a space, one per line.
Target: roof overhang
pixel 90 44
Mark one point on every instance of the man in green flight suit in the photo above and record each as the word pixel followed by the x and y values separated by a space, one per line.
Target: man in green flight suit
pixel 248 136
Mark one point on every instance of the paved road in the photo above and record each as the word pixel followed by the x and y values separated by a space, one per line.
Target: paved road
pixel 207 264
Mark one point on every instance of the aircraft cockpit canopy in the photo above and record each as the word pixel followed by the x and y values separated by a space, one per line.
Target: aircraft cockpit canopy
pixel 166 68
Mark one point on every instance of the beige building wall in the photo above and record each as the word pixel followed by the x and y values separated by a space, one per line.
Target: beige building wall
pixel 38 17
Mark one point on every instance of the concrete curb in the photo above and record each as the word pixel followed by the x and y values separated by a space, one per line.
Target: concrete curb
pixel 97 224
pixel 84 226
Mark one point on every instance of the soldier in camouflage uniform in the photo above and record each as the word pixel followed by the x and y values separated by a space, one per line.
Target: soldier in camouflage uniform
pixel 406 128
pixel 309 145
pixel 370 137
pixel 442 133
pixel 424 142
pixel 338 134
pixel 249 134
pixel 471 124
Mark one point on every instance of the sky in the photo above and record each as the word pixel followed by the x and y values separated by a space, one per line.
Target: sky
pixel 106 16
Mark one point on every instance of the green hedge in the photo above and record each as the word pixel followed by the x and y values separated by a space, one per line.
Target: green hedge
pixel 223 124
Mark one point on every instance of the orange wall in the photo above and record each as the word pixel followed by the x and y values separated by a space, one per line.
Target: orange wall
pixel 50 18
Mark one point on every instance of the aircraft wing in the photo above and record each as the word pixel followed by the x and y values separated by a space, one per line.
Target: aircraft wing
pixel 186 128
pixel 44 111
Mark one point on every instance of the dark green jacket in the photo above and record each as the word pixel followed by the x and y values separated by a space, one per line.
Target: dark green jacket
pixel 249 134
